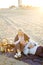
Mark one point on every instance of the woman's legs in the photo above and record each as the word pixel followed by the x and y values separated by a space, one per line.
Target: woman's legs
pixel 18 51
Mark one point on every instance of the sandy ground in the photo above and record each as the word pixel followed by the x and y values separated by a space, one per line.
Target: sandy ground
pixel 31 21
pixel 10 61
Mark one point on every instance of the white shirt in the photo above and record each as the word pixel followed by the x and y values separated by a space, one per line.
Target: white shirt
pixel 31 50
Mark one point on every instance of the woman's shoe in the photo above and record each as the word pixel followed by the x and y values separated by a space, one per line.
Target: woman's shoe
pixel 18 55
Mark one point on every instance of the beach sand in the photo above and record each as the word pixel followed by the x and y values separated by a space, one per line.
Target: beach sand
pixel 10 61
pixel 30 20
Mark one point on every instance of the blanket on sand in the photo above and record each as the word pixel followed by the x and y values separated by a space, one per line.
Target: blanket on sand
pixel 30 59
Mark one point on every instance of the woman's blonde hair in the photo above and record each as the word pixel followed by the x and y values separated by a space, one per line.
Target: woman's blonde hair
pixel 20 32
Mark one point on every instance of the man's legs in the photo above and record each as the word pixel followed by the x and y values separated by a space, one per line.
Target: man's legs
pixel 39 51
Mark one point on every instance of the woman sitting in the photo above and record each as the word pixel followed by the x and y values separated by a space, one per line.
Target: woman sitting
pixel 20 42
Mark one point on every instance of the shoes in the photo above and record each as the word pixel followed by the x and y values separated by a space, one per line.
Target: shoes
pixel 17 55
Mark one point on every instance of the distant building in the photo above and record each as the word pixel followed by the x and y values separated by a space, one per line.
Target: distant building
pixel 19 3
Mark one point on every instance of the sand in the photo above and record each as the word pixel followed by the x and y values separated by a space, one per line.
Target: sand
pixel 30 20
pixel 10 61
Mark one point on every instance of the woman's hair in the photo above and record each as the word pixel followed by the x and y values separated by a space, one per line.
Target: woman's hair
pixel 20 32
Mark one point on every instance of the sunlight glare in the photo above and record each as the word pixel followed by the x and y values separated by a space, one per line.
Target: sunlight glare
pixel 41 9
pixel 7 3
pixel 38 3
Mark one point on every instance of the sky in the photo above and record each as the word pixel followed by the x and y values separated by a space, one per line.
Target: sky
pixel 7 3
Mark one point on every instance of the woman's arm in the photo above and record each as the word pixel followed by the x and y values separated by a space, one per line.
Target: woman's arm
pixel 17 42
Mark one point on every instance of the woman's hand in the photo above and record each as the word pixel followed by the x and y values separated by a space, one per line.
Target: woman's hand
pixel 30 46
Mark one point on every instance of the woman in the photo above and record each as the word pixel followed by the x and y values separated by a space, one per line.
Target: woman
pixel 20 42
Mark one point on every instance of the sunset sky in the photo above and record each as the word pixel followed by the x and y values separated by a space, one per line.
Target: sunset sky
pixel 7 3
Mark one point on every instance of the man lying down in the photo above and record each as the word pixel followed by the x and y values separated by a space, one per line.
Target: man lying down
pixel 32 47
pixel 29 47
